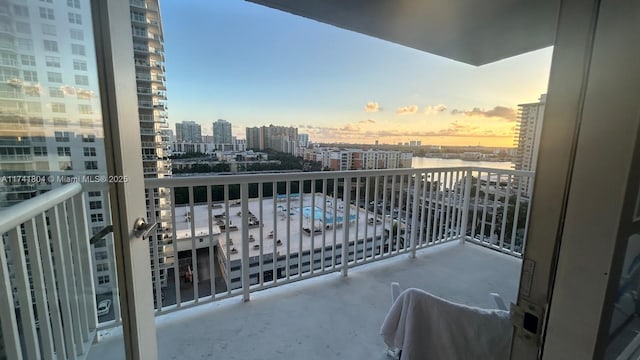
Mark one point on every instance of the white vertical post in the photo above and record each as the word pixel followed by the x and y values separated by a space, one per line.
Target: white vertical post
pixel 346 202
pixel 39 289
pixel 244 201
pixel 9 324
pixel 24 294
pixel 85 260
pixel 466 204
pixel 414 214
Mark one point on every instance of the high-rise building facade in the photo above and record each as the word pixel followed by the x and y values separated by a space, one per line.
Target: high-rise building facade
pixel 222 133
pixel 278 138
pixel 148 53
pixel 527 139
pixel 188 131
pixel 51 129
pixel 303 140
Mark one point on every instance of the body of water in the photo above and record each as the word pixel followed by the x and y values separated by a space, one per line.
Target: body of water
pixel 419 162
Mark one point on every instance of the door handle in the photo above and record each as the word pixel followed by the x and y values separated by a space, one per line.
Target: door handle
pixel 142 229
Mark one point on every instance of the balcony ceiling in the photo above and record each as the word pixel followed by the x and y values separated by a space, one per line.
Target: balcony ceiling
pixel 470 31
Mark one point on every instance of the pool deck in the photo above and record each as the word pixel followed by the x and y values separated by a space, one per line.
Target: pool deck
pixel 281 220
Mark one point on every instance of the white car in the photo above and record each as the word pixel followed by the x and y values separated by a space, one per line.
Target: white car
pixel 104 307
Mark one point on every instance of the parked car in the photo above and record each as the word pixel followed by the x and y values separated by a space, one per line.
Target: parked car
pixel 104 307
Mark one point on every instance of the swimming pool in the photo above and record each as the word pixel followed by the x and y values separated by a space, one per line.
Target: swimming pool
pixel 317 215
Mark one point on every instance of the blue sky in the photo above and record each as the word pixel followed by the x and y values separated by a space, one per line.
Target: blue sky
pixel 254 66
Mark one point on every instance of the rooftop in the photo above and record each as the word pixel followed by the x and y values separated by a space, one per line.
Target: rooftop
pixel 326 317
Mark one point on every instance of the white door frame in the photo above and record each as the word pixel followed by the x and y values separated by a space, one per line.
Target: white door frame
pixel 588 138
pixel 119 101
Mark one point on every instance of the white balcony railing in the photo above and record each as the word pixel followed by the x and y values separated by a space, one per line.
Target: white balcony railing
pixel 247 236
pixel 45 247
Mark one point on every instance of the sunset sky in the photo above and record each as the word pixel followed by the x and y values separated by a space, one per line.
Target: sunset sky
pixel 255 66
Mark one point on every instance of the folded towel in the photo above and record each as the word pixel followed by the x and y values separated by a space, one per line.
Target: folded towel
pixel 425 326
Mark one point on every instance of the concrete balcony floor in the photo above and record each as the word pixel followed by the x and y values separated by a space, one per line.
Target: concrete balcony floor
pixel 326 317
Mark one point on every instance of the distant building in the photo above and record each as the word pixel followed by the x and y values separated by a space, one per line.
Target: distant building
pixel 188 131
pixel 278 138
pixel 358 159
pixel 222 133
pixel 527 140
pixel 303 140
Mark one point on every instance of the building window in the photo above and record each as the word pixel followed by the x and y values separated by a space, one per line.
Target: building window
pixel 77 49
pixel 91 165
pixel 101 255
pixel 23 28
pixel 63 136
pixel 96 218
pixel 60 123
pixel 103 280
pixel 88 138
pixel 89 151
pixel 34 106
pixel 56 92
pixel 64 151
pixel 30 76
pixel 77 34
pixel 49 29
pixel 85 109
pixel 84 94
pixel 54 77
pixel 28 60
pixel 47 13
pixel 58 107
pixel 50 45
pixel 102 267
pixel 25 44
pixel 36 122
pixel 73 3
pixel 52 61
pixel 94 193
pixel 95 205
pixel 138 16
pixel 82 80
pixel 80 65
pixel 65 165
pixel 75 18
pixel 32 91
pixel 20 10
pixel 40 151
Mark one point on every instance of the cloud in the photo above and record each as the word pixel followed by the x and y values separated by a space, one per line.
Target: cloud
pixel 372 107
pixel 434 109
pixel 503 112
pixel 368 121
pixel 411 109
pixel 351 128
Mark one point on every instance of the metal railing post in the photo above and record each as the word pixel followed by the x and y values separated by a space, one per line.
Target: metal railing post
pixel 346 201
pixel 414 215
pixel 244 200
pixel 466 204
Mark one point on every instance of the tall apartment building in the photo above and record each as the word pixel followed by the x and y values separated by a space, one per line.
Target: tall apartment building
pixel 50 120
pixel 188 131
pixel 527 139
pixel 222 134
pixel 278 138
pixel 303 140
pixel 148 53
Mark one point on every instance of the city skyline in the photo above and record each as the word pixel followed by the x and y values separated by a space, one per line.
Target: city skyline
pixel 266 67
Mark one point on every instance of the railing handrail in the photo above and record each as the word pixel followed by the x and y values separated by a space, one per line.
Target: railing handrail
pixel 318 175
pixel 20 213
